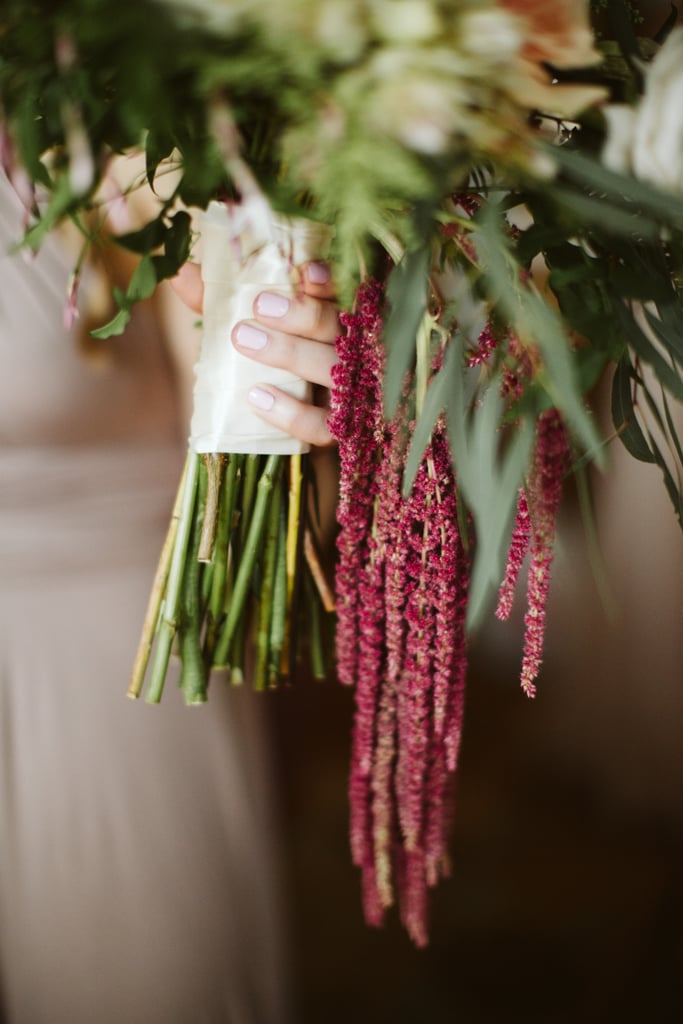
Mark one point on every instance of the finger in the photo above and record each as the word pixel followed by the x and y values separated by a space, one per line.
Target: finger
pixel 309 360
pixel 298 419
pixel 189 286
pixel 316 280
pixel 299 314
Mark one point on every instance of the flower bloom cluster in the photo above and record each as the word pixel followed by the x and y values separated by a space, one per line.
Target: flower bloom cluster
pixel 401 599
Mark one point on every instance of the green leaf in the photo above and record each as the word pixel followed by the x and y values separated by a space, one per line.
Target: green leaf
pixel 150 237
pixel 488 473
pixel 597 211
pixel 648 450
pixel 624 415
pixel 534 321
pixel 494 509
pixel 666 208
pixel 177 242
pixel 143 281
pixel 435 402
pixel 673 433
pixel 644 348
pixel 668 328
pixel 157 148
pixel 116 326
pixel 57 208
pixel 407 298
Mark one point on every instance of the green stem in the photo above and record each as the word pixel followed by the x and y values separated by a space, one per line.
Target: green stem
pixel 236 651
pixel 214 472
pixel 169 610
pixel 279 613
pixel 251 475
pixel 207 583
pixel 267 586
pixel 221 553
pixel 193 673
pixel 423 360
pixel 293 510
pixel 156 597
pixel 247 557
pixel 301 498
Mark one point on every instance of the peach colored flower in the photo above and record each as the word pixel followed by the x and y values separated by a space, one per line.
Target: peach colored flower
pixel 557 33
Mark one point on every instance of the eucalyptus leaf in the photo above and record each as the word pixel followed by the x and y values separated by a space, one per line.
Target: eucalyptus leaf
pixel 667 329
pixel 493 523
pixel 629 191
pixel 407 299
pixel 488 473
pixel 624 415
pixel 537 323
pixel 619 220
pixel 673 432
pixel 644 348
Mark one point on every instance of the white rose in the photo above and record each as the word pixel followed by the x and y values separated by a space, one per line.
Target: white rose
pixel 648 140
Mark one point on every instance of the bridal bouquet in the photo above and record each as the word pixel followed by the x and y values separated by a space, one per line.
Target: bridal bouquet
pixel 498 188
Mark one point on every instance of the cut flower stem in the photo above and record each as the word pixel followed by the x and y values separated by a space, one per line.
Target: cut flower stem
pixel 229 580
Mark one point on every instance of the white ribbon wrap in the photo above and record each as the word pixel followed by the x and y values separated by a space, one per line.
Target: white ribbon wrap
pixel 246 249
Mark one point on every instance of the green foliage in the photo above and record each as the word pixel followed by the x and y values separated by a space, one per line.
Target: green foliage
pixel 407 298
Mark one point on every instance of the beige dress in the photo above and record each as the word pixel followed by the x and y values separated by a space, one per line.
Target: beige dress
pixel 137 863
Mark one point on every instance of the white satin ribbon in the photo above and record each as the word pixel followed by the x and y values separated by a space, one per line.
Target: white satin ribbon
pixel 246 249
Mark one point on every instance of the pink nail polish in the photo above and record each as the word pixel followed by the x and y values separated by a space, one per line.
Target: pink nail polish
pixel 250 337
pixel 270 304
pixel 261 399
pixel 318 273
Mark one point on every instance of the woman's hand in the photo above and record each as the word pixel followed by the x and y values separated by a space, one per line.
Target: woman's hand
pixel 295 333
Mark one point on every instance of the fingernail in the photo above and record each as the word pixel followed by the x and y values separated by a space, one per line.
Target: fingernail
pixel 270 304
pixel 318 273
pixel 250 337
pixel 261 399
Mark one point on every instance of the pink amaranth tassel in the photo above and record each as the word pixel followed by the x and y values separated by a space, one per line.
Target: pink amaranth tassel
pixel 452 589
pixel 412 886
pixel 383 801
pixel 438 815
pixel 414 709
pixel 519 545
pixel 356 421
pixel 374 739
pixel 486 344
pixel 417 679
pixel 402 594
pixel 551 463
